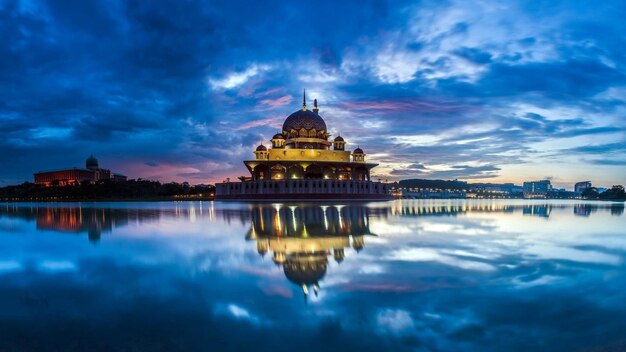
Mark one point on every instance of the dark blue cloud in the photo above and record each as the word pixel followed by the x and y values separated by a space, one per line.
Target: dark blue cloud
pixel 474 55
pixel 599 148
pixel 573 79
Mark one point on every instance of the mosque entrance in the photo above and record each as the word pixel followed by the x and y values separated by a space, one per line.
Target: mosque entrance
pixel 295 171
pixel 278 172
pixel 361 174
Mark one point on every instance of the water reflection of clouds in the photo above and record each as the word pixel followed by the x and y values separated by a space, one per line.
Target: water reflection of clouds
pixel 430 280
pixel 10 265
pixel 439 256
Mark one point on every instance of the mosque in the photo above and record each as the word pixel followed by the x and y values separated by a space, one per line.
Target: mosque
pixel 303 163
pixel 75 176
pixel 300 239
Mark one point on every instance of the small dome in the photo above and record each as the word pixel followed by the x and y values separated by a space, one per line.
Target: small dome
pixel 338 139
pixel 91 163
pixel 278 136
pixel 261 148
pixel 358 151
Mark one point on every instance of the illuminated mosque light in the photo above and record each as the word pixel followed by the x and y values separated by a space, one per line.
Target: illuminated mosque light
pixel 303 252
pixel 304 163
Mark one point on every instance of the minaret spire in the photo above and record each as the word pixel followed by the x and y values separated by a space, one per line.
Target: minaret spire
pixel 315 108
pixel 304 100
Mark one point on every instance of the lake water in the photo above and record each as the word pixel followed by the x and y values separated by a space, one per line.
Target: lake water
pixel 420 275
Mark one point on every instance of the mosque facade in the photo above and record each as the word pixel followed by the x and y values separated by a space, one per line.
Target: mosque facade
pixel 76 176
pixel 302 162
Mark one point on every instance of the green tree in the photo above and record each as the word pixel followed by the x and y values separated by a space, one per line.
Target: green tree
pixel 590 193
pixel 615 193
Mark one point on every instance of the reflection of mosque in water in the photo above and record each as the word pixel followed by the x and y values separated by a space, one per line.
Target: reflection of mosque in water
pixel 301 239
pixel 93 221
pixel 98 221
pixel 78 220
pixel 336 220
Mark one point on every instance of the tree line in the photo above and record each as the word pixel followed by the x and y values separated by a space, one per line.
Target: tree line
pixel 107 190
pixel 614 193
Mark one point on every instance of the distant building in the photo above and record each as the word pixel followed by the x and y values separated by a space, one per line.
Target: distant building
pixel 433 193
pixel 537 189
pixel 580 187
pixel 91 173
pixel 496 188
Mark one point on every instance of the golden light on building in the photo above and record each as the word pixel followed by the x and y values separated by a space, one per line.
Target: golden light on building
pixel 303 162
pixel 318 232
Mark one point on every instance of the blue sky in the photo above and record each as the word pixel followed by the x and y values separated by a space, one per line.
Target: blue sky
pixel 183 90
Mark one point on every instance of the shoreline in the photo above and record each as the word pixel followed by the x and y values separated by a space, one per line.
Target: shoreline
pixel 112 200
pixel 207 199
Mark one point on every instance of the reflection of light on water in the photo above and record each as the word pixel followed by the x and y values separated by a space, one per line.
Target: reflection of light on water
pixel 325 216
pixel 192 214
pixel 277 222
pixel 305 233
pixel 212 211
pixel 341 224
pixel 262 224
pixel 293 217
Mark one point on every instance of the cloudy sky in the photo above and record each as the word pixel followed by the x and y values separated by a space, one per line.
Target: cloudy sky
pixel 184 90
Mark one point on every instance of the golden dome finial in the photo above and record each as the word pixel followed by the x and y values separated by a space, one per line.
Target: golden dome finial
pixel 304 100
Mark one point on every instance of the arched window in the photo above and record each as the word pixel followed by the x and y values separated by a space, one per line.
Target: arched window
pixel 295 171
pixel 278 172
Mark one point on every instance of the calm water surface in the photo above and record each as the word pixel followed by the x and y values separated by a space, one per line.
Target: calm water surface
pixel 416 275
